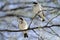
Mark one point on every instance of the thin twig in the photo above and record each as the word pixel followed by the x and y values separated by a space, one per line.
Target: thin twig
pixel 36 33
pixel 5 4
pixel 51 7
pixel 33 18
pixel 51 33
pixel 51 19
pixel 18 8
pixel 54 32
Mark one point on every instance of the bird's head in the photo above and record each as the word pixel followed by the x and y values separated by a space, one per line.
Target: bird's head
pixel 35 3
pixel 21 20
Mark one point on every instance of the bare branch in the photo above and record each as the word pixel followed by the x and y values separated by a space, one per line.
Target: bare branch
pixel 55 32
pixel 40 38
pixel 16 15
pixel 6 30
pixel 51 7
pixel 18 8
pixel 36 33
pixel 52 19
pixel 34 17
pixel 5 4
pixel 52 33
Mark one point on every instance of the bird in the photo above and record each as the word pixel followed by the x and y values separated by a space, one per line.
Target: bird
pixel 23 26
pixel 37 8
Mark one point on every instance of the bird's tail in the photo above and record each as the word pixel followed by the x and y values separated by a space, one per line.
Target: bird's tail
pixel 25 35
pixel 41 15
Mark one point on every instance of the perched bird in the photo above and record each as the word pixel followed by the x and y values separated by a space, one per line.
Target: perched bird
pixel 38 9
pixel 23 26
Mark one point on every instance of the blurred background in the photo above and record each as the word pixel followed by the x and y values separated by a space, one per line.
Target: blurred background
pixel 24 9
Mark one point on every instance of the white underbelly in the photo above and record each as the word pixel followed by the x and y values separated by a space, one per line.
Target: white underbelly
pixel 23 27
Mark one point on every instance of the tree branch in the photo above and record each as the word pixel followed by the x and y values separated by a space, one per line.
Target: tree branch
pixel 6 30
pixel 16 15
pixel 51 7
pixel 52 19
pixel 55 32
pixel 34 17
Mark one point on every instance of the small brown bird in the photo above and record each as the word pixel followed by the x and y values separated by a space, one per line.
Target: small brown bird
pixel 23 26
pixel 38 9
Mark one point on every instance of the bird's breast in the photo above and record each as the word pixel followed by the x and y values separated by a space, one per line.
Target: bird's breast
pixel 23 26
